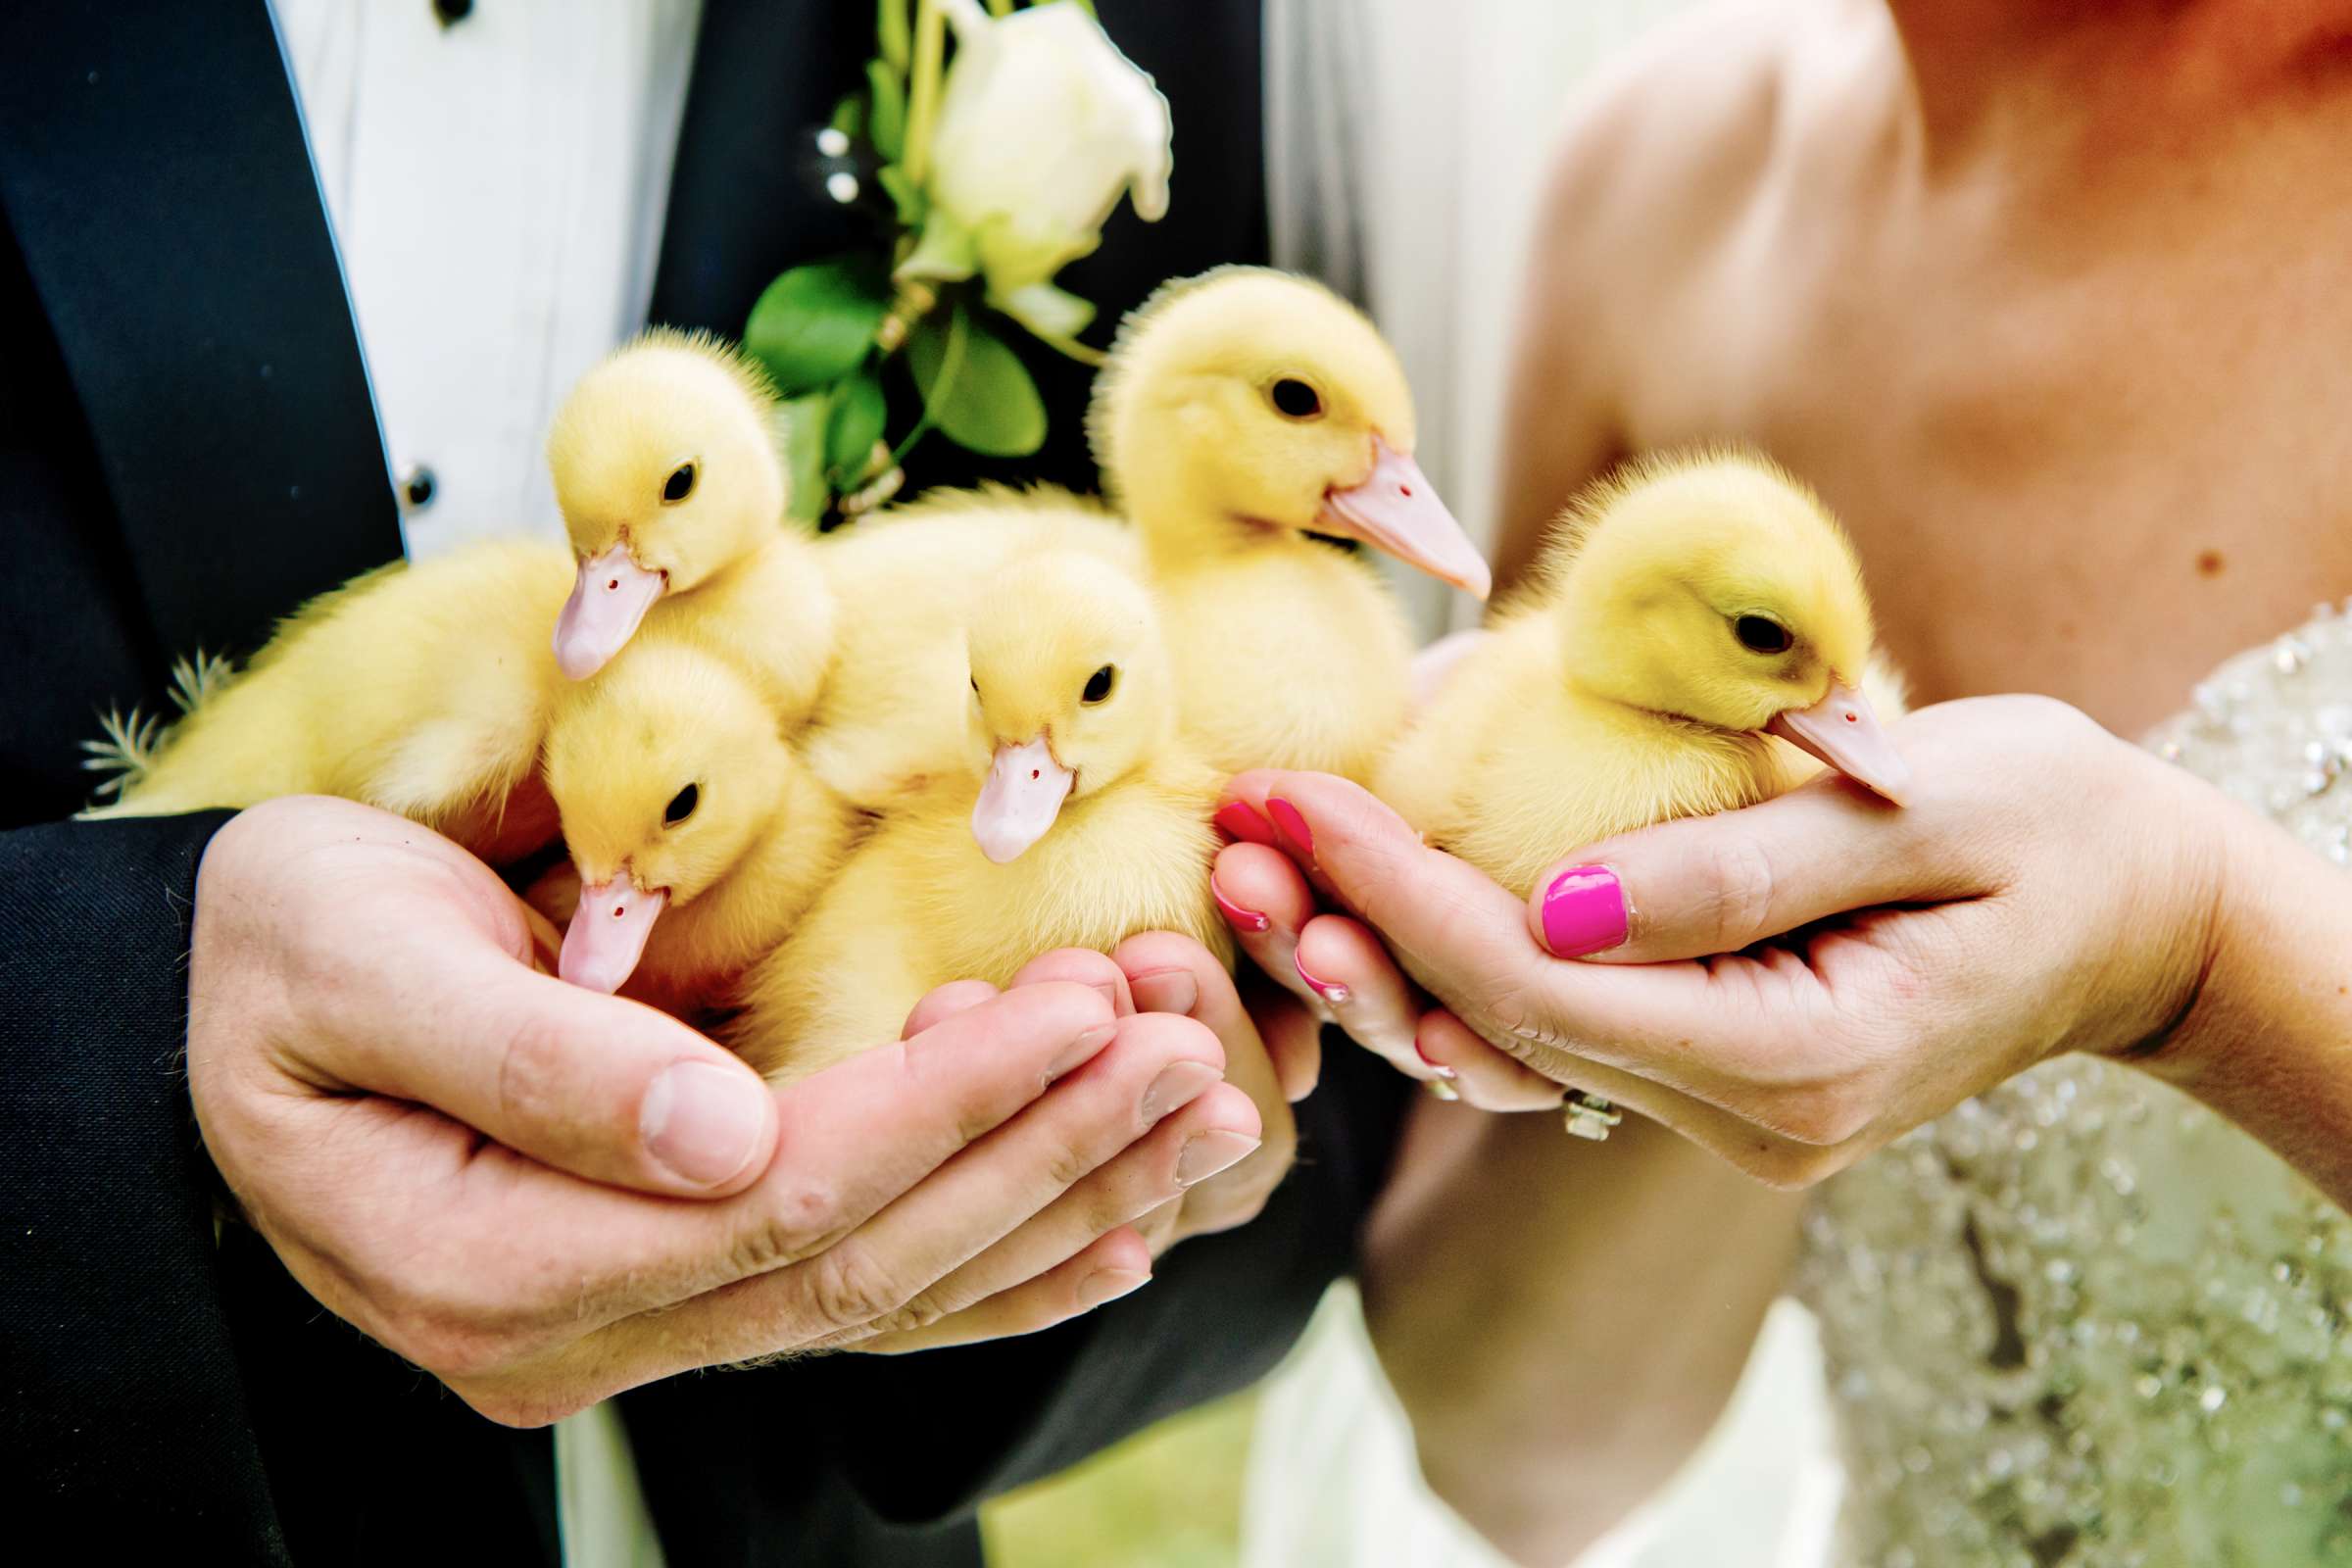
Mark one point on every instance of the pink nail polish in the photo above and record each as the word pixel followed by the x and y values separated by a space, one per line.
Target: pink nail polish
pixel 1333 994
pixel 1434 1064
pixel 1584 911
pixel 1292 825
pixel 1240 822
pixel 1243 919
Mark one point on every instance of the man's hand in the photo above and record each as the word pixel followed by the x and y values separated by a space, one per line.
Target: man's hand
pixel 438 1138
pixel 1162 972
pixel 1794 984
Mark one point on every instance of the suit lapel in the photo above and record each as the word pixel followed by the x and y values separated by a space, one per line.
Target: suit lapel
pixel 155 173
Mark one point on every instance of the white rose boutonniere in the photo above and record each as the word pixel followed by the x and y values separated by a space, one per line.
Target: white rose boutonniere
pixel 1044 126
pixel 987 172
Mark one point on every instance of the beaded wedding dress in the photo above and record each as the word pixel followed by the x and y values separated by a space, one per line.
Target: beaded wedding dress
pixel 2080 1322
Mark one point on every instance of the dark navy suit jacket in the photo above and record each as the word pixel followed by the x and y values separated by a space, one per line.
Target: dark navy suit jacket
pixel 188 450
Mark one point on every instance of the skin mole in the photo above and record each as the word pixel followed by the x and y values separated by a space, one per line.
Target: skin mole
pixel 2209 563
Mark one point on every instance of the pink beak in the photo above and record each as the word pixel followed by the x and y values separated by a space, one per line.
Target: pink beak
pixel 607 599
pixel 608 932
pixel 1022 797
pixel 1397 510
pixel 1842 730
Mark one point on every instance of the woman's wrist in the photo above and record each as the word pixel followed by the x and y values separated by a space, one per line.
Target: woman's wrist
pixel 2264 1037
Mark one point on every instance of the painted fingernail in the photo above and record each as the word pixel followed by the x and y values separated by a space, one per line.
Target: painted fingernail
pixel 1107 1284
pixel 704 1123
pixel 1434 1064
pixel 1210 1152
pixel 1164 991
pixel 1331 993
pixel 1243 919
pixel 1439 1089
pixel 1178 1084
pixel 1292 825
pixel 1082 1050
pixel 1584 911
pixel 1239 821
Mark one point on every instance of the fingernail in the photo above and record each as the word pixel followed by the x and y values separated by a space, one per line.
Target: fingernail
pixel 1109 989
pixel 1164 991
pixel 704 1123
pixel 1291 825
pixel 1329 992
pixel 1108 1285
pixel 1439 1089
pixel 1243 919
pixel 1239 821
pixel 1178 1084
pixel 1434 1064
pixel 1082 1050
pixel 1584 912
pixel 1210 1152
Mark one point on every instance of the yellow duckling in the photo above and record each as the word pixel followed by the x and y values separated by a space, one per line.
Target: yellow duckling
pixel 1241 411
pixel 696 835
pixel 423 689
pixel 668 470
pixel 1686 612
pixel 1078 822
pixel 891 716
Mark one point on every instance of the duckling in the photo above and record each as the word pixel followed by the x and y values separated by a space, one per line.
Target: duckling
pixel 1240 411
pixel 1078 820
pixel 1697 624
pixel 891 718
pixel 696 835
pixel 668 471
pixel 423 689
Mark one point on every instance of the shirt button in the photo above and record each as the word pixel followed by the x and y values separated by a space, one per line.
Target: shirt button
pixel 453 12
pixel 417 487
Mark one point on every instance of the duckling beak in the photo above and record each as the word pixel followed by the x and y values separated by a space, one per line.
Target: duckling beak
pixel 1842 730
pixel 1023 795
pixel 607 599
pixel 1397 510
pixel 608 932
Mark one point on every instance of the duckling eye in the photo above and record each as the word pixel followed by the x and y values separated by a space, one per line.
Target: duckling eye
pixel 1761 634
pixel 1097 685
pixel 680 486
pixel 681 806
pixel 1293 399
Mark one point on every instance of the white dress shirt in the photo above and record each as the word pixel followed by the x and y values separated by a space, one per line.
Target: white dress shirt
pixel 497 185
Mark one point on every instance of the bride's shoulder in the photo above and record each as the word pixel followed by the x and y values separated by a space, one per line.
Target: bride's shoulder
pixel 1684 128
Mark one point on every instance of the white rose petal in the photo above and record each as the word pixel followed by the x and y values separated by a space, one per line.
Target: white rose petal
pixel 1042 125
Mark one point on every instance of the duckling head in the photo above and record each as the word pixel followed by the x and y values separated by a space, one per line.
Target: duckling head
pixel 666 470
pixel 1717 589
pixel 1070 692
pixel 1247 400
pixel 663 772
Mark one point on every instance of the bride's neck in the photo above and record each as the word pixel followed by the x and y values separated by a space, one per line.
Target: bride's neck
pixel 1966 60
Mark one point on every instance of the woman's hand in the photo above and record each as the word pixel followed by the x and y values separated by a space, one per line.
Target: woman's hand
pixel 544 1196
pixel 1795 984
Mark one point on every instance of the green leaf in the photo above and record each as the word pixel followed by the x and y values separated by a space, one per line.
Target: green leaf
pixel 912 204
pixel 854 426
pixel 886 120
pixel 975 388
pixel 815 323
pixel 849 116
pixel 804 420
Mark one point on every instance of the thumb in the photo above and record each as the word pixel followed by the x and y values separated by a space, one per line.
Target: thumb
pixel 1706 885
pixel 602 1087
